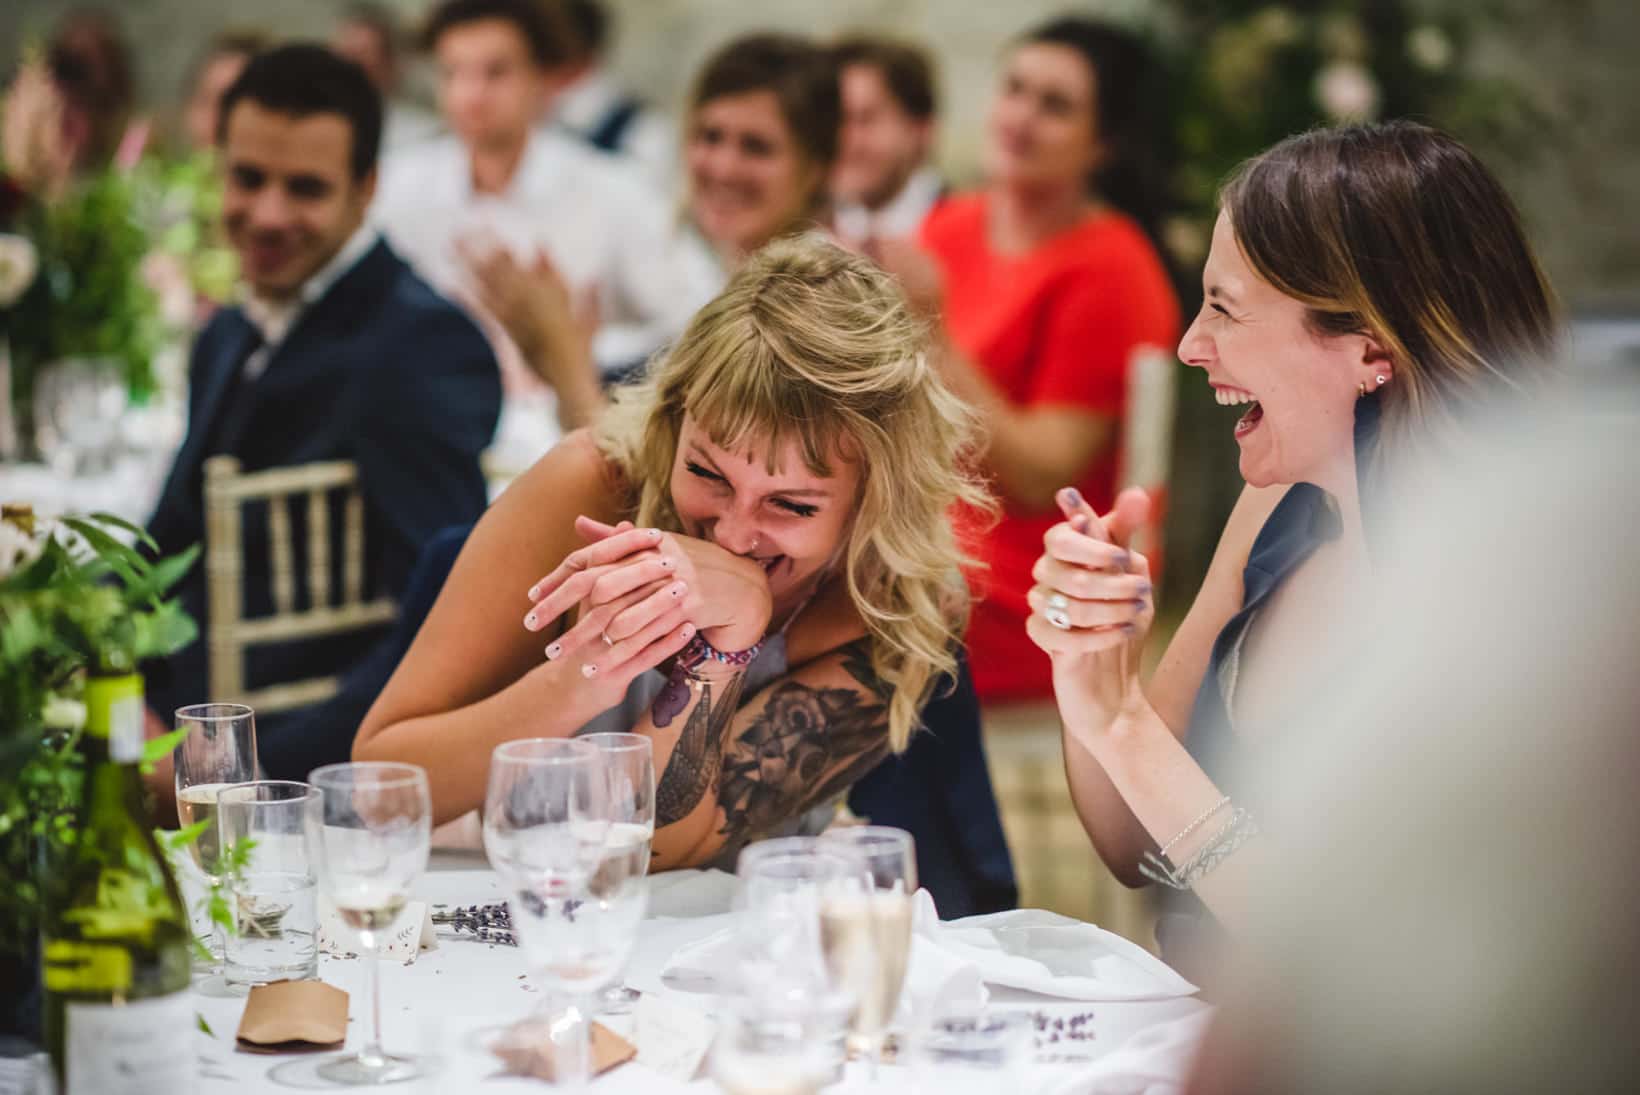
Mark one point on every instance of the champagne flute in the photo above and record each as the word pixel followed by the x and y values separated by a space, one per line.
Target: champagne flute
pixel 218 752
pixel 378 828
pixel 866 935
pixel 629 765
pixel 575 902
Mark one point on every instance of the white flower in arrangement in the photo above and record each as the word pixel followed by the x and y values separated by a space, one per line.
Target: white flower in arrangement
pixel 1430 47
pixel 1347 92
pixel 18 547
pixel 62 713
pixel 19 262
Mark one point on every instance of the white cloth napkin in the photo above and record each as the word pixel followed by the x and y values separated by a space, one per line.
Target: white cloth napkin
pixel 1054 955
pixel 1155 1061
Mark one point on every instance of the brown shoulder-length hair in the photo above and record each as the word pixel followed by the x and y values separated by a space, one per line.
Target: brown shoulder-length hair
pixel 1398 231
pixel 800 74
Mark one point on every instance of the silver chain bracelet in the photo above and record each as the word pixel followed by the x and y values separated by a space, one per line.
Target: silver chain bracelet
pixel 1240 829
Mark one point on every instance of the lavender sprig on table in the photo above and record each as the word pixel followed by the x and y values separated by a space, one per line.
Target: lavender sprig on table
pixel 486 923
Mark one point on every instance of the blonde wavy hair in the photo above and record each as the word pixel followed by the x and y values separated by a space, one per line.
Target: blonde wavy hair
pixel 816 344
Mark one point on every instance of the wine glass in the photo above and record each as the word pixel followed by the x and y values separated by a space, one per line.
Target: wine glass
pixel 784 884
pixel 866 935
pixel 629 765
pixel 79 403
pixel 219 751
pixel 373 846
pixel 759 1051
pixel 575 901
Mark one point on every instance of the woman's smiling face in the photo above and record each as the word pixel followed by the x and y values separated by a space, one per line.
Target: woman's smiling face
pixel 1256 347
pixel 791 521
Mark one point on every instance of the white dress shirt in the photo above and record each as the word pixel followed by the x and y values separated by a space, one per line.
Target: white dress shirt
pixel 273 319
pixel 899 218
pixel 649 140
pixel 594 216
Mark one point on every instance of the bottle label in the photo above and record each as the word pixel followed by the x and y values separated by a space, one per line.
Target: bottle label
pixel 70 966
pixel 113 710
pixel 141 1047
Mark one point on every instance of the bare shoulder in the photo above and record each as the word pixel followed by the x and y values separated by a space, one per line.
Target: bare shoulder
pixel 574 476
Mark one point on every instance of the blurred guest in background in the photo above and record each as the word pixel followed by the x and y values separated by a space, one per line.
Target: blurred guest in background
pixel 224 58
pixel 1047 286
pixel 331 319
pixel 1367 287
pixel 504 193
pixel 593 104
pixel 369 36
pixel 760 142
pixel 883 185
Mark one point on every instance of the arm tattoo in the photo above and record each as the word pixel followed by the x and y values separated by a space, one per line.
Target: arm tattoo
pixel 697 758
pixel 805 746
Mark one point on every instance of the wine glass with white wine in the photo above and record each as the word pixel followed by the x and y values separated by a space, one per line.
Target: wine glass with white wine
pixel 218 752
pixel 372 848
pixel 866 933
pixel 628 761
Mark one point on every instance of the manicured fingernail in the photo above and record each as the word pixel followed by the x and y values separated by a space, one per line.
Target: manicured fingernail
pixel 653 533
pixel 667 564
pixel 1139 604
pixel 530 621
pixel 678 589
pixel 1072 497
pixel 1130 628
pixel 589 671
pixel 533 594
pixel 688 631
pixel 1145 589
pixel 554 650
pixel 1080 523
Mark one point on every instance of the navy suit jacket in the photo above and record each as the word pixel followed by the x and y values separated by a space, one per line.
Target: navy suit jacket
pixel 382 371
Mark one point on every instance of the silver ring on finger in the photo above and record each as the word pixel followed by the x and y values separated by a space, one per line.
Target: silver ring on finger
pixel 1058 618
pixel 604 635
pixel 1059 601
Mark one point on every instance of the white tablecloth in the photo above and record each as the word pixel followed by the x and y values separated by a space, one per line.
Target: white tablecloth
pixel 441 1004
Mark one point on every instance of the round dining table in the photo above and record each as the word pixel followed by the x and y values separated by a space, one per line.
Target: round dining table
pixel 450 1000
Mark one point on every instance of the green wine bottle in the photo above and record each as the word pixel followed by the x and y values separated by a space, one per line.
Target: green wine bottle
pixel 114 948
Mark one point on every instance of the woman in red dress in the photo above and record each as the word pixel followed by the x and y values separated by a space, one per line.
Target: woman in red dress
pixel 1047 284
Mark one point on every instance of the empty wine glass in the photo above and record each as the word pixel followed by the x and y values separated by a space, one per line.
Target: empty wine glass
pixel 867 935
pixel 763 1051
pixel 629 765
pixel 575 902
pixel 79 403
pixel 219 751
pixel 373 846
pixel 784 885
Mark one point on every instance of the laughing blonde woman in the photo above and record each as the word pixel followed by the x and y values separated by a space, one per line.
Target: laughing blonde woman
pixel 748 562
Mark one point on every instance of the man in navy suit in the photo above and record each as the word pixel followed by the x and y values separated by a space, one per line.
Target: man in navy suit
pixel 338 351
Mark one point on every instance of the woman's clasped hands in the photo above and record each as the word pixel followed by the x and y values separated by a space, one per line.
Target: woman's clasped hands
pixel 1091 608
pixel 642 595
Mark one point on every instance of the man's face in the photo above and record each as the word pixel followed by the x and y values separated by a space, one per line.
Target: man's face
pixel 290 200
pixel 489 87
pixel 879 145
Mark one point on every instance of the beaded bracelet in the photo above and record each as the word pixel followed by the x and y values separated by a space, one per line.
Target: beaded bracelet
pixel 674 696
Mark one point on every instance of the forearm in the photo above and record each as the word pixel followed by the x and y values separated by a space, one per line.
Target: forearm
pixel 687 726
pixel 1166 791
pixel 455 746
pixel 1026 470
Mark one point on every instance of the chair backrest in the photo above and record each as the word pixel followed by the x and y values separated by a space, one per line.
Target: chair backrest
pixel 231 633
pixel 1147 440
